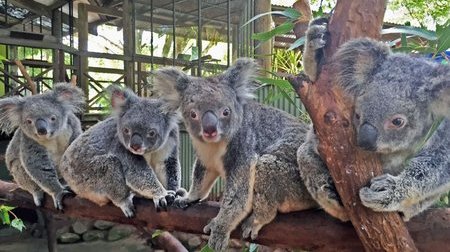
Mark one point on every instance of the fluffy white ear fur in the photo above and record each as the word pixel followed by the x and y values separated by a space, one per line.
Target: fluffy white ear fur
pixel 240 77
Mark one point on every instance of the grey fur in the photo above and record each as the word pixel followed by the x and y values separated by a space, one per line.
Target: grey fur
pixel 31 158
pixel 135 150
pixel 254 149
pixel 389 89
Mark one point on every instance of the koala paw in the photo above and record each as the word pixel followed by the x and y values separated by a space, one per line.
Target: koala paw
pixel 381 195
pixel 181 192
pixel 161 202
pixel 184 202
pixel 170 197
pixel 38 198
pixel 218 238
pixel 329 200
pixel 250 229
pixel 58 198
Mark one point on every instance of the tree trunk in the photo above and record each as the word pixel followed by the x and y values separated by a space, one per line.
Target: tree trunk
pixel 331 114
pixel 310 230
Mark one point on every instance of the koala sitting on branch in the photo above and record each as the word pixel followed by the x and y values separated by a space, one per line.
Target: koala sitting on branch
pixel 252 146
pixel 136 150
pixel 400 102
pixel 46 124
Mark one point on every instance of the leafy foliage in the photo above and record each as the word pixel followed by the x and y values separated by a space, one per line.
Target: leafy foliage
pixel 5 212
pixel 422 10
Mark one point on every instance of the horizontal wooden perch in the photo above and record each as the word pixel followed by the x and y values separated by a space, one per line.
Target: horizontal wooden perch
pixel 310 230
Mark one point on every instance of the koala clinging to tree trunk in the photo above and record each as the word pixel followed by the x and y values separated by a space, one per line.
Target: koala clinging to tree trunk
pixel 46 125
pixel 136 150
pixel 400 102
pixel 251 145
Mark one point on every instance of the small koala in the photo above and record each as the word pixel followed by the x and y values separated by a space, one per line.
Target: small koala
pixel 400 107
pixel 251 145
pixel 136 150
pixel 46 124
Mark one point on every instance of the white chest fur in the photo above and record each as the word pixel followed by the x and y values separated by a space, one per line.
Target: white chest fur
pixel 56 146
pixel 156 160
pixel 211 155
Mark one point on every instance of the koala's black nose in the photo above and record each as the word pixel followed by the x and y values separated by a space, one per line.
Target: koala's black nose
pixel 209 123
pixel 136 142
pixel 367 137
pixel 41 127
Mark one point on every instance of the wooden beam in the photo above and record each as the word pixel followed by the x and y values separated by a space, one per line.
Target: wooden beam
pixel 104 11
pixel 311 230
pixel 35 7
pixel 128 42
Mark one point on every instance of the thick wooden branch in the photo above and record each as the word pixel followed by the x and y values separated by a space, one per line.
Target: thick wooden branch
pixel 311 230
pixel 331 114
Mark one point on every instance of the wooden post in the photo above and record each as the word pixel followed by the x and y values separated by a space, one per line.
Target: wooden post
pixel 58 61
pixel 128 42
pixel 264 51
pixel 331 114
pixel 83 48
pixel 31 85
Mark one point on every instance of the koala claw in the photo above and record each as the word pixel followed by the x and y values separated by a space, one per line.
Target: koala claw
pixel 183 202
pixel 170 197
pixel 128 212
pixel 160 203
pixel 38 198
pixel 330 202
pixel 218 240
pixel 249 230
pixel 58 198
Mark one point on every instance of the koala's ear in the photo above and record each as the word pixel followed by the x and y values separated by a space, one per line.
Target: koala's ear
pixel 169 83
pixel 437 91
pixel 10 111
pixel 356 61
pixel 240 77
pixel 70 96
pixel 121 98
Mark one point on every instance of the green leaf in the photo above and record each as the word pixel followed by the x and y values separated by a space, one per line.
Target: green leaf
pixel 18 224
pixel 6 208
pixel 281 29
pixel 404 40
pixel 443 34
pixel 4 215
pixel 156 233
pixel 299 42
pixel 253 247
pixel 206 248
pixel 282 84
pixel 412 31
pixel 288 12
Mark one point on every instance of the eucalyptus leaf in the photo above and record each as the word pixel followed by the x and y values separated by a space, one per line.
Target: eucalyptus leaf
pixel 288 12
pixel 299 42
pixel 281 29
pixel 17 224
pixel 430 35
pixel 443 33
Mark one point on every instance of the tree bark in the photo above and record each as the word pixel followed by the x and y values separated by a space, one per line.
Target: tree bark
pixel 311 230
pixel 331 114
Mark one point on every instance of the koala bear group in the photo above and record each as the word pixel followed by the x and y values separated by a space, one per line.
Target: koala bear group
pixel 268 158
pixel 134 151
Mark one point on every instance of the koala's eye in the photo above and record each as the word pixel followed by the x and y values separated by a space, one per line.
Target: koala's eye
pixel 193 114
pixel 151 133
pixel 53 118
pixel 29 121
pixel 357 116
pixel 126 131
pixel 226 112
pixel 398 122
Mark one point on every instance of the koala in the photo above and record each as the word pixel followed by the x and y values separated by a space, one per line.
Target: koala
pixel 44 126
pixel 134 151
pixel 252 146
pixel 401 114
